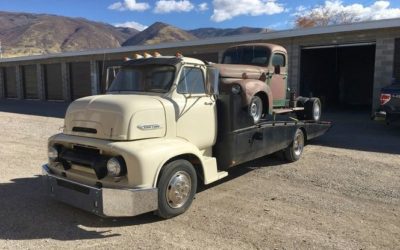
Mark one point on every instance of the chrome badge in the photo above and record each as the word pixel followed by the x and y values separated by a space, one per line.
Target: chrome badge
pixel 148 126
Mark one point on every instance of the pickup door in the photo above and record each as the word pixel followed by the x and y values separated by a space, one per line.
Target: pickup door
pixel 278 79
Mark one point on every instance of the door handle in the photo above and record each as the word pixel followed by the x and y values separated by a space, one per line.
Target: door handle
pixel 208 103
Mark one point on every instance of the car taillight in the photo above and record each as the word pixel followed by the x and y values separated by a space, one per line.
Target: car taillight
pixel 385 98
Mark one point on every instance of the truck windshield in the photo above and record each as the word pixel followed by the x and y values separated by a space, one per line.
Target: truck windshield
pixel 254 55
pixel 148 78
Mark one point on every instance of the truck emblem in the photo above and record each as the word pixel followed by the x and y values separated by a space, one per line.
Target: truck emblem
pixel 149 126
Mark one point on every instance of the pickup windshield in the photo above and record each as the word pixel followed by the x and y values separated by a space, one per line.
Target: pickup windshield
pixel 148 78
pixel 255 55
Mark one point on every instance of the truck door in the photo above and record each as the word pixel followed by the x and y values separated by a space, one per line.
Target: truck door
pixel 197 116
pixel 278 81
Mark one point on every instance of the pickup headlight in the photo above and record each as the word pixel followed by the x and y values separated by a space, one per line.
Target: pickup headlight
pixel 52 153
pixel 116 167
pixel 236 89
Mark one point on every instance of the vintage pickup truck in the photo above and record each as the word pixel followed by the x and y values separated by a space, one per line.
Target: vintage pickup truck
pixel 390 103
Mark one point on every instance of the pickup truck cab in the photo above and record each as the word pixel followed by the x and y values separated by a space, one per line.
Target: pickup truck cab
pixel 162 128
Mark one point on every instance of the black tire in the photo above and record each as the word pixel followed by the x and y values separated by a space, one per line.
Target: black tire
pixel 174 176
pixel 301 101
pixel 312 109
pixel 294 151
pixel 256 109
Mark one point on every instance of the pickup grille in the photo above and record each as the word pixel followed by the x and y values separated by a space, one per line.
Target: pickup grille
pixel 86 157
pixel 84 130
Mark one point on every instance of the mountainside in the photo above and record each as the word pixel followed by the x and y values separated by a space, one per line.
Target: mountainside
pixel 23 34
pixel 27 34
pixel 159 33
pixel 214 32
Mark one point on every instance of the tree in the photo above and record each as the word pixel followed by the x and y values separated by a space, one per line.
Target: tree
pixel 324 16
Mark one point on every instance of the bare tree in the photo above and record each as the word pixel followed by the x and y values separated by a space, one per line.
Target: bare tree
pixel 323 16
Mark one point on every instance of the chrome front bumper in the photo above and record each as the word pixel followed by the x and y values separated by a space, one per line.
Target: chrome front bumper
pixel 105 202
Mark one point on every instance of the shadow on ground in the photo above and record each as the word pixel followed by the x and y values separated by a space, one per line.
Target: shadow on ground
pixel 28 213
pixel 355 130
pixel 39 108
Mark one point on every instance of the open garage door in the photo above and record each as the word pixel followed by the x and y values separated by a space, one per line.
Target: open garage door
pixel 341 75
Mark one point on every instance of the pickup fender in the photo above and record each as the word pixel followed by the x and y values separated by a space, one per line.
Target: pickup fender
pixel 145 158
pixel 252 87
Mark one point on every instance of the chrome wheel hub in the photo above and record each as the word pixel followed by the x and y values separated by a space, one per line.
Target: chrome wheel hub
pixel 317 112
pixel 298 143
pixel 255 110
pixel 178 189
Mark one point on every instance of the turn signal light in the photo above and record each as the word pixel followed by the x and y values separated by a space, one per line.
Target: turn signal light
pixel 385 98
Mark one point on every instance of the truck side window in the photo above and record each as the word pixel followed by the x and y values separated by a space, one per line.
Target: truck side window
pixel 278 59
pixel 191 81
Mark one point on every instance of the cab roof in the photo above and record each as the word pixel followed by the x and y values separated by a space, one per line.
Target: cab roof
pixel 161 60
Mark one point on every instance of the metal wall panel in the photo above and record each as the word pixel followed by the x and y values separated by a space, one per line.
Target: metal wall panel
pixel 396 70
pixel 53 81
pixel 80 80
pixel 10 79
pixel 210 57
pixel 29 80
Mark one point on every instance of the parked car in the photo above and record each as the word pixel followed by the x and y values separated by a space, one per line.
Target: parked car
pixel 390 103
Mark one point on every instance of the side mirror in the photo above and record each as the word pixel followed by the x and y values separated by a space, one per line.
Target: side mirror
pixel 277 69
pixel 212 81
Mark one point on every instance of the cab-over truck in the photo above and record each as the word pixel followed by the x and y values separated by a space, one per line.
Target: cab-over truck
pixel 166 124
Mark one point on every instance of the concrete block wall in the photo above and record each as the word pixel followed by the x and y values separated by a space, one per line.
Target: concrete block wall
pixel 40 82
pixel 18 78
pixel 384 63
pixel 66 83
pixel 2 88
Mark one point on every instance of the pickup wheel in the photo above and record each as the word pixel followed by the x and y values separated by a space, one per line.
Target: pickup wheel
pixel 294 151
pixel 256 109
pixel 312 109
pixel 176 188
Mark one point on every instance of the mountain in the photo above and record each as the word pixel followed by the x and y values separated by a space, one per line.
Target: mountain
pixel 26 34
pixel 159 33
pixel 203 33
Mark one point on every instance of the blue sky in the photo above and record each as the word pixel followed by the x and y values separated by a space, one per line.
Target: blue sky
pixel 191 14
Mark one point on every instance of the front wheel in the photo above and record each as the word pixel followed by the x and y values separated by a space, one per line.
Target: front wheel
pixel 256 109
pixel 294 151
pixel 176 188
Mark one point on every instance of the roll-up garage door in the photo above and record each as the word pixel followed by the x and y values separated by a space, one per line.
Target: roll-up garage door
pixel 53 81
pixel 103 72
pixel 80 79
pixel 29 78
pixel 10 82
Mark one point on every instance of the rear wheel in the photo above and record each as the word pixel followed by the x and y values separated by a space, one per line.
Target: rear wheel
pixel 294 151
pixel 176 188
pixel 256 109
pixel 313 109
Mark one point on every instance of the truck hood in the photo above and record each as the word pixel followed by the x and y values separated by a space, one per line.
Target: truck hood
pixel 236 71
pixel 116 117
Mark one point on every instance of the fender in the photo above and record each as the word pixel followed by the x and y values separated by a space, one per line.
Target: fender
pixel 252 87
pixel 145 158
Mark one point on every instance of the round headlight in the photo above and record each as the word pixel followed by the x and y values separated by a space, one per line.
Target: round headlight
pixel 115 167
pixel 52 153
pixel 236 89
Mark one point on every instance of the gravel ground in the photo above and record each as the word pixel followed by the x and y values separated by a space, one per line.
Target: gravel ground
pixel 343 194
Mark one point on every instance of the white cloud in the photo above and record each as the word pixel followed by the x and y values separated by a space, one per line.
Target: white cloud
pixel 202 7
pixel 227 9
pixel 131 5
pixel 167 6
pixel 357 12
pixel 132 24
